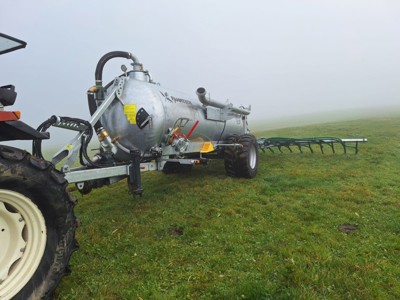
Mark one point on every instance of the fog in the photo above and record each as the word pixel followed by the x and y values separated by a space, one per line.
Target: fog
pixel 283 58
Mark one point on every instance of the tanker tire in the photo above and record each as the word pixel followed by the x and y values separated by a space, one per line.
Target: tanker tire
pixel 242 161
pixel 37 224
pixel 230 157
pixel 247 156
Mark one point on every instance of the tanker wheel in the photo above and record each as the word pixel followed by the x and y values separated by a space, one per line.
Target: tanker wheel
pixel 230 157
pixel 242 161
pixel 37 226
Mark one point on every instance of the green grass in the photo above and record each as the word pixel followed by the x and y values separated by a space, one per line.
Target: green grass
pixel 204 235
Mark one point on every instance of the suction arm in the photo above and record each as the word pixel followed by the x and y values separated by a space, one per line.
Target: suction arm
pixel 201 94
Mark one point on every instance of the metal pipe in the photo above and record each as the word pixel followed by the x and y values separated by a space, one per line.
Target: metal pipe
pixel 201 94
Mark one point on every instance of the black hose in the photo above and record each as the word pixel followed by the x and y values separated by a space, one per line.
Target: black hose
pixel 105 58
pixel 85 140
pixel 98 74
pixel 37 144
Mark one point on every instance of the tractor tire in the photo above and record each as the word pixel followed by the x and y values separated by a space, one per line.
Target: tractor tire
pixel 37 226
pixel 242 161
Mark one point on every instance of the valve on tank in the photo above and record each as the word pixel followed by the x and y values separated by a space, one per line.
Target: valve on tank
pixel 105 140
pixel 177 139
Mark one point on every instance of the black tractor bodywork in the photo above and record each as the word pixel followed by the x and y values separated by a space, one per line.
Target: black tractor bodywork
pixel 11 128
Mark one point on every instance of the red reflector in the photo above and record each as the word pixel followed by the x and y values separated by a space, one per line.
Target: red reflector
pixel 9 115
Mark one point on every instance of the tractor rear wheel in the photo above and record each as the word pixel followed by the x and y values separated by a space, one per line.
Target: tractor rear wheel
pixel 37 226
pixel 242 161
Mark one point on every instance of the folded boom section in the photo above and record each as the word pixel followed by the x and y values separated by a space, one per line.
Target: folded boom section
pixel 300 143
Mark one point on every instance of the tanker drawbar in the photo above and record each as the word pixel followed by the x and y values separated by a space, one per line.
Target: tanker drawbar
pixel 143 126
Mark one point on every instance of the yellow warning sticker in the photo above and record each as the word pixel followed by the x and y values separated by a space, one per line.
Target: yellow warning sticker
pixel 207 147
pixel 130 112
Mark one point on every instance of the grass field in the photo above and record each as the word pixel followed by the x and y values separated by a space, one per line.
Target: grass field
pixel 204 235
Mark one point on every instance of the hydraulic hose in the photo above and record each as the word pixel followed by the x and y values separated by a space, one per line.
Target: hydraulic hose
pixel 85 140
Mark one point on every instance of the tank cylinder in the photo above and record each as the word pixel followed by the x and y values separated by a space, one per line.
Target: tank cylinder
pixel 148 113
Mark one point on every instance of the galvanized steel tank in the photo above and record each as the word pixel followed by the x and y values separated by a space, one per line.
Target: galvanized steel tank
pixel 148 112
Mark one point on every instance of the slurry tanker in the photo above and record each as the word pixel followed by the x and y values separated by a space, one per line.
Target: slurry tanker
pixel 141 126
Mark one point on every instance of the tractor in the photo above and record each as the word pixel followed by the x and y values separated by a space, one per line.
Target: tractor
pixel 37 223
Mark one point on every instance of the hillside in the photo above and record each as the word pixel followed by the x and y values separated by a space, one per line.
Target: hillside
pixel 276 122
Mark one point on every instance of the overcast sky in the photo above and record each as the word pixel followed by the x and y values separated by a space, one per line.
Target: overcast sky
pixel 283 57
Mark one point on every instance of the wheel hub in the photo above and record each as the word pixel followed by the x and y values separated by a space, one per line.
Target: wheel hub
pixel 23 240
pixel 11 226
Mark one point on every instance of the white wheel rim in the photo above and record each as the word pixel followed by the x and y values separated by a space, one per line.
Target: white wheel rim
pixel 253 157
pixel 22 239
